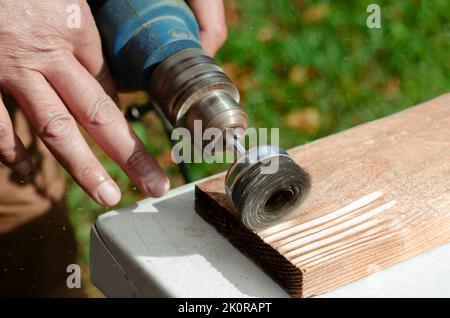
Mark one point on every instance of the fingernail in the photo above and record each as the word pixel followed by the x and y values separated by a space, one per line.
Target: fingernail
pixel 157 185
pixel 23 168
pixel 108 193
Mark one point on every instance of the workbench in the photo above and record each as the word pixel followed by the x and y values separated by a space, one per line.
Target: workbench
pixel 162 248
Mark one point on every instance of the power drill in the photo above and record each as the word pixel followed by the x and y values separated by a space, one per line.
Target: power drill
pixel 153 45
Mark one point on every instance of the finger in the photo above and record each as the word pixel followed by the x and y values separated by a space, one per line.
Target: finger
pixel 57 128
pixel 90 55
pixel 211 19
pixel 12 151
pixel 98 114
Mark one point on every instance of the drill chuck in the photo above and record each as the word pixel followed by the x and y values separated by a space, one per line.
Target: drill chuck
pixel 190 86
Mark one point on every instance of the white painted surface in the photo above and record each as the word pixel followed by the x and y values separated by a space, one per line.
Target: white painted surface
pixel 166 249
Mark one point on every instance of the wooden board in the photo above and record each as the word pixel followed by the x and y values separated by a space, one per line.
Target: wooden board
pixel 380 194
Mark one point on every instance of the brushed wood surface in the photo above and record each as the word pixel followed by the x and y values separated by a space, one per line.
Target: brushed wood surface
pixel 380 194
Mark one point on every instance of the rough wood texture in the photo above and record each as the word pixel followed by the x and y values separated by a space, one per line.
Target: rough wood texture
pixel 380 194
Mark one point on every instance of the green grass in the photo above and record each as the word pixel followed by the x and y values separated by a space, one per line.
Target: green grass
pixel 312 68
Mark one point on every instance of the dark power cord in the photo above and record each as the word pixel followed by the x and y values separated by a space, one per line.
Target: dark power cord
pixel 135 113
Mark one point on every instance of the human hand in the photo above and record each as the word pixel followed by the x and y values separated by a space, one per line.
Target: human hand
pixel 59 77
pixel 211 19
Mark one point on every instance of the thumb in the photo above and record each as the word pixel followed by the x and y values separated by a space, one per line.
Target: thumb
pixel 211 19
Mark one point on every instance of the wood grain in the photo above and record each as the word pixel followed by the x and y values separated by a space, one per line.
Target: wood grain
pixel 380 194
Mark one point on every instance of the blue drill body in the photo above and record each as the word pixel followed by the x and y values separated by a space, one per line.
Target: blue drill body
pixel 139 34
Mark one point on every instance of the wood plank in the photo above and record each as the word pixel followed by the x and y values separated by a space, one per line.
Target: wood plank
pixel 380 194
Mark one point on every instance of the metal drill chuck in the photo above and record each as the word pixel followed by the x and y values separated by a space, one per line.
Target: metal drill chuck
pixel 190 86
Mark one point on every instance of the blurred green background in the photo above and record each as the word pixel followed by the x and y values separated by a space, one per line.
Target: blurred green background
pixel 311 68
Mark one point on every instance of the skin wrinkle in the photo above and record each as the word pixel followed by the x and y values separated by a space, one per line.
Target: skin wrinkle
pixel 99 114
pixel 3 129
pixel 90 170
pixel 59 127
